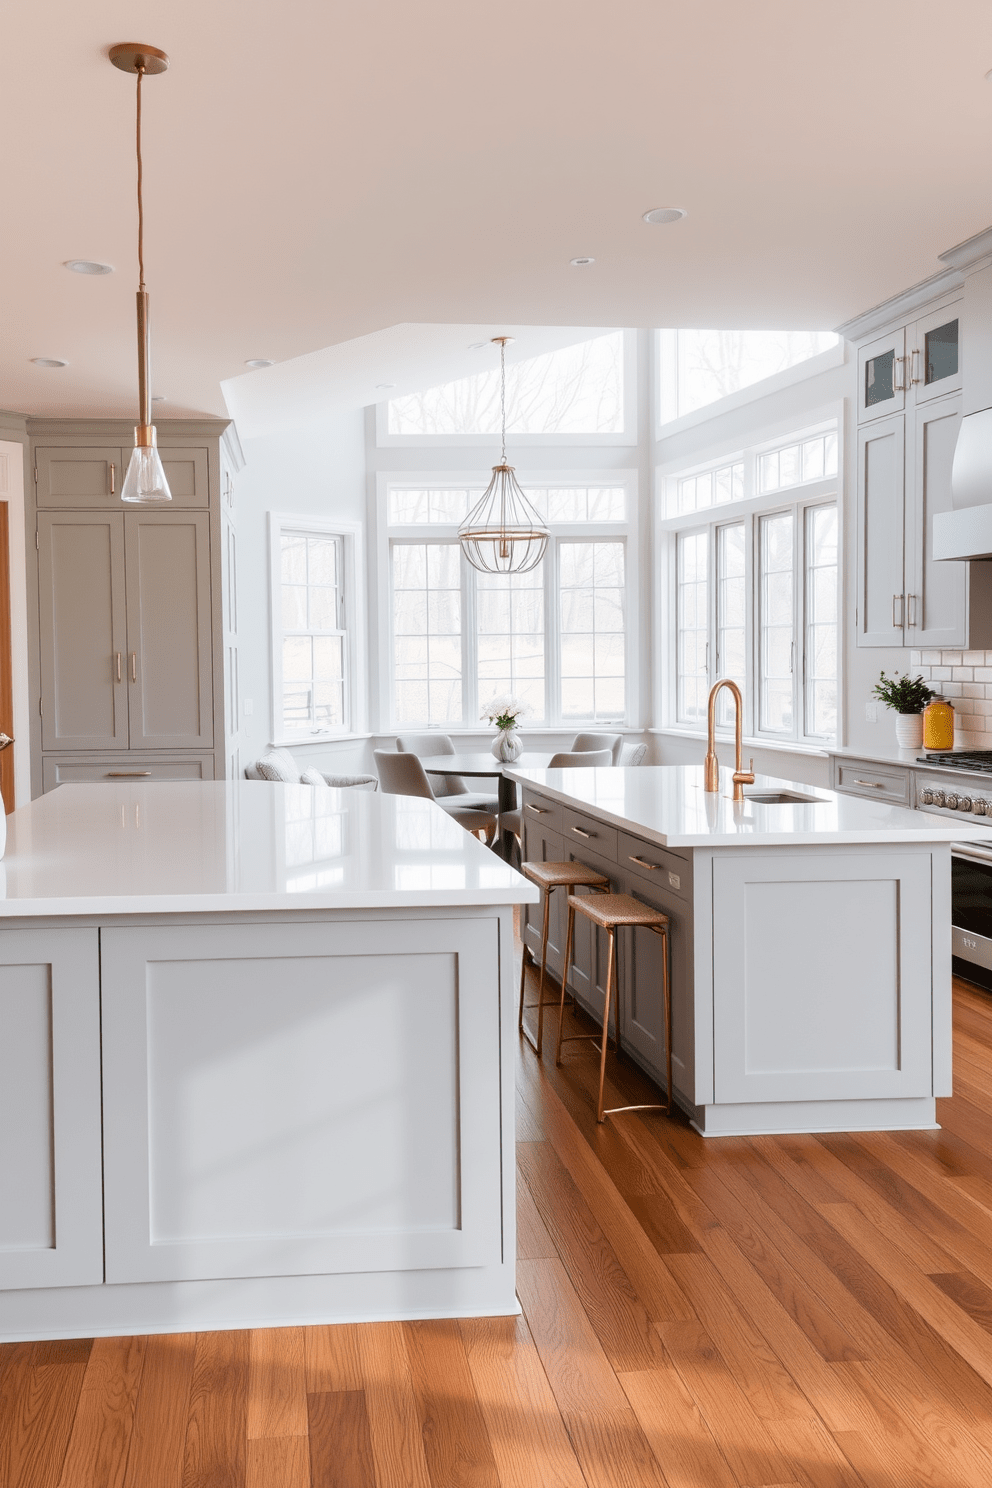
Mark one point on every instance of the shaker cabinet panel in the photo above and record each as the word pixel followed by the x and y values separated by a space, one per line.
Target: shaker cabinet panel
pixel 541 845
pixel 187 471
pixel 79 475
pixel 83 630
pixel 936 607
pixel 168 630
pixel 881 500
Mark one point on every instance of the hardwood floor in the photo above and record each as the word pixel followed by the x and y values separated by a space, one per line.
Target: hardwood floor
pixel 740 1313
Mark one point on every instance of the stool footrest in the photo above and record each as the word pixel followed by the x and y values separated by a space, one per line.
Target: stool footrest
pixel 612 1110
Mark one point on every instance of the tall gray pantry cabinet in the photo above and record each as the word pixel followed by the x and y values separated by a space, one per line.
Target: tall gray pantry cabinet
pixel 134 660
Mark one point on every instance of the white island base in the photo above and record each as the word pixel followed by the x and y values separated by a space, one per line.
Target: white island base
pixel 256 1062
pixel 810 943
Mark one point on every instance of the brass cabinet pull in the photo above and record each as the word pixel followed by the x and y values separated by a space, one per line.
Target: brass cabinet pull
pixel 915 373
pixel 538 810
pixel 875 784
pixel 113 473
pixel 126 774
pixel 134 666
pixel 579 832
pixel 655 867
pixel 898 599
pixel 898 387
pixel 120 674
pixel 911 616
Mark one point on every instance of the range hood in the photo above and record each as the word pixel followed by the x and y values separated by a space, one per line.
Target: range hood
pixel 966 532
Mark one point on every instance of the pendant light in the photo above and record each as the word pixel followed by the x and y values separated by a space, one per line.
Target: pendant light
pixel 145 479
pixel 503 533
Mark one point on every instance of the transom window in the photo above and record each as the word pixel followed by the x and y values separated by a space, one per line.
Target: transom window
pixel 555 637
pixel 700 367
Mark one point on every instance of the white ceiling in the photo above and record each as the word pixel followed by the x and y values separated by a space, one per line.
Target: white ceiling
pixel 319 173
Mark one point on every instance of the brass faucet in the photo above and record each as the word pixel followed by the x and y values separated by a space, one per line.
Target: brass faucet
pixel 712 766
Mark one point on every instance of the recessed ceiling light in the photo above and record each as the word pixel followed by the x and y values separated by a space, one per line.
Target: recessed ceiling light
pixel 581 263
pixel 665 214
pixel 385 384
pixel 48 362
pixel 259 362
pixel 87 266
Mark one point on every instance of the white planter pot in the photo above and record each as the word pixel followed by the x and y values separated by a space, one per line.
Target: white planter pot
pixel 507 746
pixel 909 730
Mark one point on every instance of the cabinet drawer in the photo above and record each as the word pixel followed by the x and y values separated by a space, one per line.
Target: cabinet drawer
pixel 540 811
pixel 92 475
pixel 665 870
pixel 56 771
pixel 876 782
pixel 579 830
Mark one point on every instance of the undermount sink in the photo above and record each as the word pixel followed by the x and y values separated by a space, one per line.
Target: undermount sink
pixel 782 798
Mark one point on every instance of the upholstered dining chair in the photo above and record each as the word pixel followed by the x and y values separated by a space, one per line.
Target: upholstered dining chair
pixel 427 746
pixel 612 742
pixel 402 774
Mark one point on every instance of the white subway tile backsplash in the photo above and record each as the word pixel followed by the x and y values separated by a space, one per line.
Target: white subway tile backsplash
pixel 983 674
pixel 963 673
pixel 942 674
pixel 973 658
pixel 973 689
pixel 952 690
pixel 931 658
pixel 950 658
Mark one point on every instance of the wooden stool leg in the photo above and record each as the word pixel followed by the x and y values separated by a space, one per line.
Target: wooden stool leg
pixel 524 956
pixel 544 969
pixel 610 958
pixel 564 980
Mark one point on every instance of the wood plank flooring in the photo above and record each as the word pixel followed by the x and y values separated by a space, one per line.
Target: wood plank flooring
pixel 775 1312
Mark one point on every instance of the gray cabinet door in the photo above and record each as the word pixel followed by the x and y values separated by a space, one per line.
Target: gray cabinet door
pixel 168 630
pixel 83 630
pixel 51 1216
pixel 881 503
pixel 642 1023
pixel 188 474
pixel 541 845
pixel 80 476
pixel 936 609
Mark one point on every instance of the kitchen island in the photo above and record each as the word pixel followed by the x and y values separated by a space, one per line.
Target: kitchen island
pixel 256 1061
pixel 810 942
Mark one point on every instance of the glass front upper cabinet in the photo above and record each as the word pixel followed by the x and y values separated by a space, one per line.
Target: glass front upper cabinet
pixel 935 354
pixel 882 376
pixel 919 361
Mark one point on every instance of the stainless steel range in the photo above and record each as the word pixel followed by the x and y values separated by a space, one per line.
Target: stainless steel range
pixel 971 862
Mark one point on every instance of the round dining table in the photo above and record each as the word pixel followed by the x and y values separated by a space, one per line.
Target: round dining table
pixel 478 765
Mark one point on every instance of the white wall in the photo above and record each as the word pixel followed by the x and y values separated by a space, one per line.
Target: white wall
pixel 318 472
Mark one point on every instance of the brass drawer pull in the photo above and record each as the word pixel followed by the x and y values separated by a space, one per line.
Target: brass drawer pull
pixel 112 474
pixel 874 784
pixel 655 867
pixel 579 832
pixel 126 774
pixel 118 655
pixel 538 810
pixel 134 666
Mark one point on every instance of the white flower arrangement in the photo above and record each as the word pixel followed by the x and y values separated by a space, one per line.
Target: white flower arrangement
pixel 505 711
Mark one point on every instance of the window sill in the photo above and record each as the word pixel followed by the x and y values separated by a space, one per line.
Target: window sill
pixel 725 736
pixel 309 741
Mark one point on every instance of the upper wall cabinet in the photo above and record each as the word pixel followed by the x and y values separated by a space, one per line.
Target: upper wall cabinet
pixel 81 476
pixel 910 365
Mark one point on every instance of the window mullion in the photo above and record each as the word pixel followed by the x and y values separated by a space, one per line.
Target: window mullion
pixel 470 646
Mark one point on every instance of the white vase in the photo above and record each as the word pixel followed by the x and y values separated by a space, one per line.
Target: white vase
pixel 909 730
pixel 507 745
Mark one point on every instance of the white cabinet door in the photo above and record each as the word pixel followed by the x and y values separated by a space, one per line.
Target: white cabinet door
pixel 881 504
pixel 933 350
pixel 51 1215
pixel 290 1099
pixel 882 377
pixel 169 657
pixel 822 976
pixel 936 598
pixel 83 630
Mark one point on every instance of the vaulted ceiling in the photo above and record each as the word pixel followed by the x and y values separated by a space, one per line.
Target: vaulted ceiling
pixel 319 172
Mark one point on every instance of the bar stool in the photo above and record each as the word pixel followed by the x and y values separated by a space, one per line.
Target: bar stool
pixel 548 877
pixel 610 912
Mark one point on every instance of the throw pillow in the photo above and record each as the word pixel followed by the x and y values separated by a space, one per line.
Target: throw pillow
pixel 312 776
pixel 270 767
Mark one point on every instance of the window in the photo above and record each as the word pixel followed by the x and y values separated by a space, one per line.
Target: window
pixel 576 391
pixel 699 367
pixel 755 597
pixel 313 644
pixel 557 636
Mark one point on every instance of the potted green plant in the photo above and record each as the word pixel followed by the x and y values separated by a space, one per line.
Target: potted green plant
pixel 907 697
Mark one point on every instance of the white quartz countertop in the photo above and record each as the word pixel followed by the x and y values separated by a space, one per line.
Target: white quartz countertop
pixel 667 804
pixel 891 754
pixel 242 845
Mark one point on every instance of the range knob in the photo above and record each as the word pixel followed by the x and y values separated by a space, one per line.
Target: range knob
pixel 937 797
pixel 980 806
pixel 964 803
pixel 926 796
pixel 951 801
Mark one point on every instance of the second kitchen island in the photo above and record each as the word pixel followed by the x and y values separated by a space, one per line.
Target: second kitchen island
pixel 810 942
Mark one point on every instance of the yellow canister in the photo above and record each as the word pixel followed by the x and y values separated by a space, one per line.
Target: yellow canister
pixel 938 725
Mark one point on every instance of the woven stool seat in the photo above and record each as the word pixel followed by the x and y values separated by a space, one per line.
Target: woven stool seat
pixel 560 875
pixel 613 912
pixel 609 910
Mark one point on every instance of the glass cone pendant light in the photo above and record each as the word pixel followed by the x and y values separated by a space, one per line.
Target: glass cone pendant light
pixel 503 533
pixel 145 479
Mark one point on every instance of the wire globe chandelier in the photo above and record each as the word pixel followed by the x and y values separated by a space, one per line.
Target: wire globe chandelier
pixel 503 533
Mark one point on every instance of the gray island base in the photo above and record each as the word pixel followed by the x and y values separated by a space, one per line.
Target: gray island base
pixel 256 1061
pixel 810 942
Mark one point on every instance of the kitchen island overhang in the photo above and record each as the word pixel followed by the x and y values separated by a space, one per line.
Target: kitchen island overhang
pixel 257 1061
pixel 811 951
